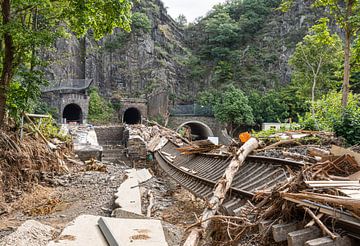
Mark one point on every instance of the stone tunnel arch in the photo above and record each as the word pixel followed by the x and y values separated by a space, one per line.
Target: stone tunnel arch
pixel 199 130
pixel 73 113
pixel 132 116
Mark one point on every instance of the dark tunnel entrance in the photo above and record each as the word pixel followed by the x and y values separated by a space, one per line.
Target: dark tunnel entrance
pixel 199 130
pixel 132 116
pixel 73 113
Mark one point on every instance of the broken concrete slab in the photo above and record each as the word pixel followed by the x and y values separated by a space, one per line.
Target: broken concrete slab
pixel 83 230
pixel 128 195
pixel 143 175
pixel 31 232
pixel 132 231
pixel 173 234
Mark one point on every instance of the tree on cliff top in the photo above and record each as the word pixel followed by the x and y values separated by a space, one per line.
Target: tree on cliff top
pixel 29 25
pixel 347 16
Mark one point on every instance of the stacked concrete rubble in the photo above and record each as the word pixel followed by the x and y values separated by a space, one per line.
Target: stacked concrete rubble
pixel 139 136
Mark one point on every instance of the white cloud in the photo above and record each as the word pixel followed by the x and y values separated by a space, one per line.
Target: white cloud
pixel 190 8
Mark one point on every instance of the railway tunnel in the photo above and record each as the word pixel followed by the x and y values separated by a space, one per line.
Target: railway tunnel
pixel 73 113
pixel 132 116
pixel 199 130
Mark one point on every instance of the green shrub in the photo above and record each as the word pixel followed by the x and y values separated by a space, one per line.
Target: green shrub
pixel 348 126
pixel 141 21
pixel 328 111
pixel 100 111
pixel 330 116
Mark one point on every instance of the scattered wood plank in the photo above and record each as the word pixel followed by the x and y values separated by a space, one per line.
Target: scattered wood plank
pixel 347 202
pixel 151 203
pixel 336 150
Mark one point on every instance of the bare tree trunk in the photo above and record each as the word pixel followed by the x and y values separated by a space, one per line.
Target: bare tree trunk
pixel 313 99
pixel 348 30
pixel 220 190
pixel 7 71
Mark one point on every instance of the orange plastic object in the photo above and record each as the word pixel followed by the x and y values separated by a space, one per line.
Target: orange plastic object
pixel 244 136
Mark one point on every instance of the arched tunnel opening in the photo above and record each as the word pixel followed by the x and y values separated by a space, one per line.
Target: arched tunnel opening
pixel 198 130
pixel 73 113
pixel 132 116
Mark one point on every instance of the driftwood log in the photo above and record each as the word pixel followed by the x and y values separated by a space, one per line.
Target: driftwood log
pixel 220 190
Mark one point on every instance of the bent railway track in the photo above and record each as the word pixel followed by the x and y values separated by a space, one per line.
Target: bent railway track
pixel 199 174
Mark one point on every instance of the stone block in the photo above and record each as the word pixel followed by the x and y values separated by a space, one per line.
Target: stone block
pixel 298 238
pixel 280 231
pixel 327 241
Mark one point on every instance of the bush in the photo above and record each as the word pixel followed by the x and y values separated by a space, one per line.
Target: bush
pixel 141 21
pixel 330 116
pixel 100 111
pixel 328 111
pixel 348 126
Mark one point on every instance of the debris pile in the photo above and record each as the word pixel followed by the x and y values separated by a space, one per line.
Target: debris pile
pixel 24 163
pixel 325 193
pixel 136 148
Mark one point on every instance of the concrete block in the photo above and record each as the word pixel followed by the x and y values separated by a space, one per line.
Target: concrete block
pixel 83 230
pixel 298 238
pixel 135 232
pixel 327 241
pixel 128 196
pixel 173 234
pixel 280 231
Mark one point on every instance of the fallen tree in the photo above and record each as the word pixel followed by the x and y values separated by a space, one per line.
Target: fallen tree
pixel 220 190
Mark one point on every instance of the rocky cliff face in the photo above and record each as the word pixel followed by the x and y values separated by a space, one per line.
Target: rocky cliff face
pixel 151 61
pixel 146 63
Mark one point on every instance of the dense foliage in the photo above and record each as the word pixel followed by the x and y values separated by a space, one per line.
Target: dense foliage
pixel 329 116
pixel 28 27
pixel 230 107
pixel 100 111
pixel 231 45
pixel 346 15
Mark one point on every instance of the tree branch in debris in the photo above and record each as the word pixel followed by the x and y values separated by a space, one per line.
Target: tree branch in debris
pixel 320 224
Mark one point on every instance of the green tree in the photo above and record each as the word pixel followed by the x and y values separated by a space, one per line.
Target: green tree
pixel 230 107
pixel 181 20
pixel 347 16
pixel 100 111
pixel 27 26
pixel 315 60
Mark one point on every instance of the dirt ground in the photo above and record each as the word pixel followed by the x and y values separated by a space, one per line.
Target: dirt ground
pixel 92 192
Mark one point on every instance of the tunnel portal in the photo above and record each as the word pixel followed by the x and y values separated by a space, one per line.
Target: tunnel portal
pixel 199 130
pixel 73 113
pixel 132 116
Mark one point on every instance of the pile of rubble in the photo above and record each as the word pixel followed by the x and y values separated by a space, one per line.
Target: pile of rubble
pixel 325 193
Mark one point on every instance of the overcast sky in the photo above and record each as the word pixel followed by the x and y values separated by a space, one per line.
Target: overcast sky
pixel 190 8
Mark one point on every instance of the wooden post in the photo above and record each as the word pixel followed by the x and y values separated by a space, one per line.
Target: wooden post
pixel 220 190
